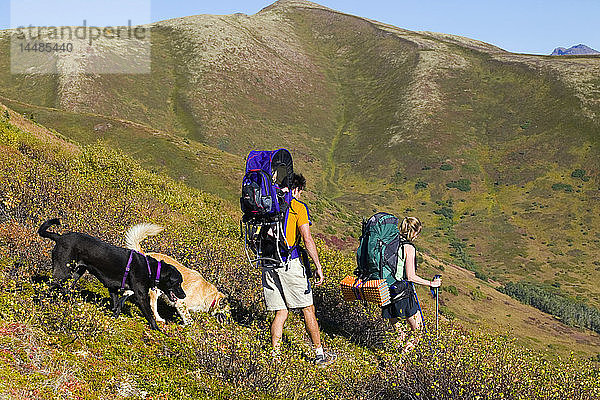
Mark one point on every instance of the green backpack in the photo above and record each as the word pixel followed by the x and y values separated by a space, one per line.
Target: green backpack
pixel 377 254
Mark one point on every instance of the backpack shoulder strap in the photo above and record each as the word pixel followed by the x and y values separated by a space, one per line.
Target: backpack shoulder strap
pixel 401 244
pixel 295 245
pixel 391 254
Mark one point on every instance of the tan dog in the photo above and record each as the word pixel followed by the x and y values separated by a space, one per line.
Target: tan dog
pixel 201 296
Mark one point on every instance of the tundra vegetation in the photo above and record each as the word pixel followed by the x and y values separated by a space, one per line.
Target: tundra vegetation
pixel 497 153
pixel 378 118
pixel 56 346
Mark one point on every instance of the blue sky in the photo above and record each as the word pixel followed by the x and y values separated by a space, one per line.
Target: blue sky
pixel 525 26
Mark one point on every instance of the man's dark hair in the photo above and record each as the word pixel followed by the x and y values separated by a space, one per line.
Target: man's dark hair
pixel 298 181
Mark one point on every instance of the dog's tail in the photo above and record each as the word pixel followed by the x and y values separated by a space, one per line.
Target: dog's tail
pixel 43 231
pixel 137 233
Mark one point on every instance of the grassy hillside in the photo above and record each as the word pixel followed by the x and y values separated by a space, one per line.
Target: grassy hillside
pixel 56 346
pixel 444 125
pixel 496 152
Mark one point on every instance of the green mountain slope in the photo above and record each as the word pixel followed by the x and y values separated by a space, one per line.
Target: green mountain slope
pixel 496 152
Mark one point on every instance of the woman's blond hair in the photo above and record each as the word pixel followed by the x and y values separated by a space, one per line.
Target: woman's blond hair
pixel 410 227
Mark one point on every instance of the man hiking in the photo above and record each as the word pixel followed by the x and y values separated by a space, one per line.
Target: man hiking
pixel 288 287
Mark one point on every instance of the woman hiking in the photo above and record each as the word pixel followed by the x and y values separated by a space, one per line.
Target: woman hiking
pixel 406 307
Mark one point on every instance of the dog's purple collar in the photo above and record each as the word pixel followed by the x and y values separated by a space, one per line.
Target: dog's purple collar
pixel 128 267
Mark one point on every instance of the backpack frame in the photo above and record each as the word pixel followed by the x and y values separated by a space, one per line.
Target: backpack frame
pixel 265 201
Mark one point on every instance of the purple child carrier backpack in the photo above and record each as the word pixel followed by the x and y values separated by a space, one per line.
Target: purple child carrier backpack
pixel 266 195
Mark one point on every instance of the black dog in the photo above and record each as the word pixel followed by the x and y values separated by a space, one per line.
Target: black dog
pixel 76 253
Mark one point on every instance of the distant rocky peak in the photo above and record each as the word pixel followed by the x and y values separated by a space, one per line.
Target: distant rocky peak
pixel 580 49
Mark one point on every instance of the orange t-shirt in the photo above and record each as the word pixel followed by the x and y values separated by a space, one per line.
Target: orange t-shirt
pixel 297 216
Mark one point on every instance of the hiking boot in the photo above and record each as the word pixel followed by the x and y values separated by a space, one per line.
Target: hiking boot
pixel 325 359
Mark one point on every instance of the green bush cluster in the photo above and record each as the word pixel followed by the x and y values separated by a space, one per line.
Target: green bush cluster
pixel 481 275
pixel 450 289
pixel 580 174
pixel 460 254
pixel 459 248
pixel 446 212
pixel 476 294
pixel 570 311
pixel 562 186
pixel 464 185
pixel 420 185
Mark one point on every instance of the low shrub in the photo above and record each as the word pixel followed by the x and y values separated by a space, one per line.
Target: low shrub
pixel 464 185
pixel 476 294
pixel 420 185
pixel 481 275
pixel 562 186
pixel 445 212
pixel 451 289
pixel 578 173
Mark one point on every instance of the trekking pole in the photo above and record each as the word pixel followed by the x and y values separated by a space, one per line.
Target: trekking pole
pixel 422 317
pixel 437 314
pixel 435 293
pixel 419 306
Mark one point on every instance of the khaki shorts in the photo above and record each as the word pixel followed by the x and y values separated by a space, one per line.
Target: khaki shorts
pixel 286 288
